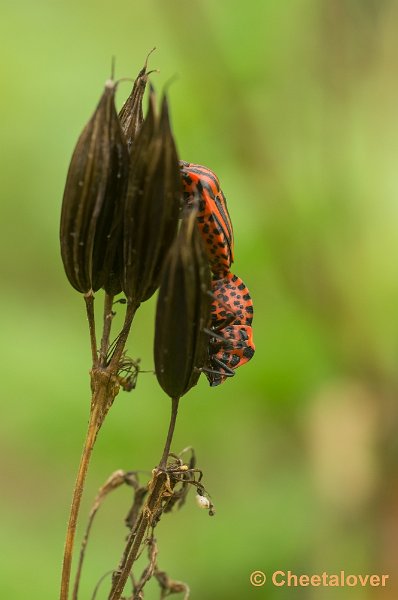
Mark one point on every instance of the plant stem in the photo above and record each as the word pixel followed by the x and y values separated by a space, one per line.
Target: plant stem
pixel 112 483
pixel 157 487
pixel 136 536
pixel 92 431
pixel 89 299
pixel 116 356
pixel 173 418
pixel 105 388
pixel 108 316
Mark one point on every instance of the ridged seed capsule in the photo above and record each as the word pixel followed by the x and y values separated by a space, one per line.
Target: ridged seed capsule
pixel 152 204
pixel 183 312
pixel 131 116
pixel 93 198
pixel 131 119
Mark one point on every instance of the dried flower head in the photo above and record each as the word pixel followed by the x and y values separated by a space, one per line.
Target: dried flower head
pixel 131 119
pixel 183 312
pixel 152 204
pixel 131 116
pixel 93 198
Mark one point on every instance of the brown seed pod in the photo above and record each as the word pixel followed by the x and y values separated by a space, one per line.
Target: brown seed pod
pixel 131 116
pixel 183 312
pixel 93 198
pixel 152 204
pixel 131 119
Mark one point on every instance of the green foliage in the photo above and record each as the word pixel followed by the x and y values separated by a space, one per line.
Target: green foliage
pixel 293 105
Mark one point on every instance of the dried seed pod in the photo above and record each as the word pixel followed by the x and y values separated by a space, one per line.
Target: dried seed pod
pixel 183 312
pixel 113 284
pixel 131 116
pixel 131 119
pixel 152 204
pixel 93 198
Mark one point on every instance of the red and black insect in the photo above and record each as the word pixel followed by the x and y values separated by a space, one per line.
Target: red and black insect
pixel 231 337
pixel 200 185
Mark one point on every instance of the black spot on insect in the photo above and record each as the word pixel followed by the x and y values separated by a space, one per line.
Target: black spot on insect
pixel 248 352
pixel 187 178
pixel 234 360
pixel 241 286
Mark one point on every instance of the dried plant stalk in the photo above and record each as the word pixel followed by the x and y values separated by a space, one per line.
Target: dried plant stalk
pixel 105 388
pixel 112 483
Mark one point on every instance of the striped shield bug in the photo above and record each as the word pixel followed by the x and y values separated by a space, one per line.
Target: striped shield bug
pixel 231 337
pixel 201 185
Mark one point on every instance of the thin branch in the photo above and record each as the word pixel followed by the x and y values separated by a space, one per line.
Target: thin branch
pixel 108 317
pixel 173 418
pixel 89 300
pixel 97 587
pixel 113 482
pixel 105 388
pixel 136 536
pixel 92 431
pixel 122 338
pixel 149 569
pixel 157 488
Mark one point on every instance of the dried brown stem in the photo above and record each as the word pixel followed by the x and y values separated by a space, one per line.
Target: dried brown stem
pixel 105 388
pixel 149 569
pixel 121 341
pixel 92 431
pixel 113 482
pixel 173 418
pixel 157 488
pixel 89 300
pixel 108 316
pixel 136 536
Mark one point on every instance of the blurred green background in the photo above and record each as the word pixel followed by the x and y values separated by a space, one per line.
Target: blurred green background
pixel 294 106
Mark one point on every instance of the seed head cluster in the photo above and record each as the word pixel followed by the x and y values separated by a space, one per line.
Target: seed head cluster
pixel 123 228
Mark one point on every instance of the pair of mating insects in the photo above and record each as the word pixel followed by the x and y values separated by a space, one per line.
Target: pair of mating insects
pixel 231 342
